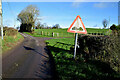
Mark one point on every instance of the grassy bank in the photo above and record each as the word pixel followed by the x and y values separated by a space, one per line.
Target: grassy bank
pixel 69 69
pixel 10 41
pixel 62 32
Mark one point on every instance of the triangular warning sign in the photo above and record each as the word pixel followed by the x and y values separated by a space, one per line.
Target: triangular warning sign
pixel 77 26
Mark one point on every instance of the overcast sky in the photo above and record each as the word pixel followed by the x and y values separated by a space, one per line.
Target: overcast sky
pixel 64 13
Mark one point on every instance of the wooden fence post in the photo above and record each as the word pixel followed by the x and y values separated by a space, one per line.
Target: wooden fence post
pixel 57 34
pixel 48 34
pixel 52 34
pixel 41 32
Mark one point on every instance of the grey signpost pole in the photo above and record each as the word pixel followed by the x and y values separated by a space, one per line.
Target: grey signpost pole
pixel 76 28
pixel 1 19
pixel 76 36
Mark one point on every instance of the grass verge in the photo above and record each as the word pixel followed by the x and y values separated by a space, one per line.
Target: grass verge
pixel 69 69
pixel 10 41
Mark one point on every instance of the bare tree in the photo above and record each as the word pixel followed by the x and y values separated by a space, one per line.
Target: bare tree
pixel 28 16
pixel 56 26
pixel 105 23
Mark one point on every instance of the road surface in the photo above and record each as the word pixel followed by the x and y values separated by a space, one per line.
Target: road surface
pixel 30 59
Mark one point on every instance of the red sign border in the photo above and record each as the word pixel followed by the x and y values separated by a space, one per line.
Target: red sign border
pixel 77 31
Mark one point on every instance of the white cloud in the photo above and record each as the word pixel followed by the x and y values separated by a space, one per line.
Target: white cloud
pixel 76 4
pixel 100 5
pixel 7 22
pixel 92 27
pixel 43 17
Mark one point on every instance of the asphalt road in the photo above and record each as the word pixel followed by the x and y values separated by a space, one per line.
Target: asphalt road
pixel 30 59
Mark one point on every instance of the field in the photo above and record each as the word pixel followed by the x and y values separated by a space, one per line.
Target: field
pixel 94 30
pixel 63 32
pixel 10 41
pixel 70 69
pixel 48 33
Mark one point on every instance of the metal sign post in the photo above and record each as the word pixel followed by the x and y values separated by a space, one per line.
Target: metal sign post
pixel 1 28
pixel 1 19
pixel 76 36
pixel 76 27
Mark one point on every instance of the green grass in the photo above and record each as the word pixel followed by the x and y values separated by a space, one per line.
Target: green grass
pixel 94 30
pixel 69 69
pixel 9 41
pixel 63 43
pixel 63 32
pixel 103 31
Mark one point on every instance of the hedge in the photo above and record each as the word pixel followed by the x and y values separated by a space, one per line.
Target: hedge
pixel 103 48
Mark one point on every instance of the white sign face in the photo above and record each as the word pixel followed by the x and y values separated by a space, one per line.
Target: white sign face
pixel 77 26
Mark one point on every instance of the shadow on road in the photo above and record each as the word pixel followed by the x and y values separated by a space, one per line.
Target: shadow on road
pixel 52 64
pixel 28 48
pixel 46 65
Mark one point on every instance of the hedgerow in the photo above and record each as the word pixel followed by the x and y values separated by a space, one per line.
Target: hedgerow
pixel 103 48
